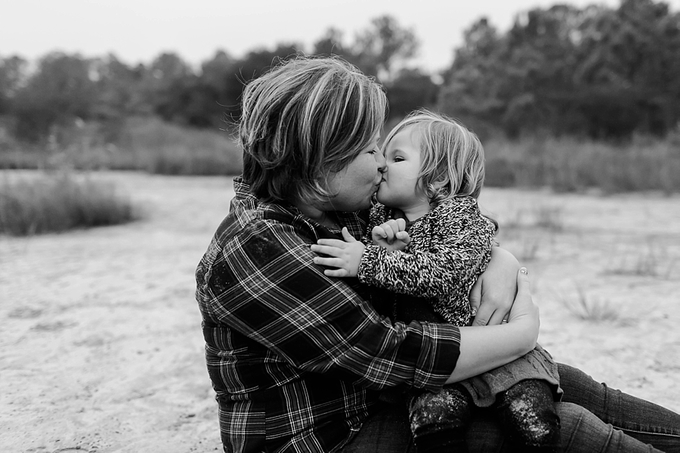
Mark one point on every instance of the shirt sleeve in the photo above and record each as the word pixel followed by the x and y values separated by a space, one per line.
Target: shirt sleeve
pixel 263 283
pixel 455 252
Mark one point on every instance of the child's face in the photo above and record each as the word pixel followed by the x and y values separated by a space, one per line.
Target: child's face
pixel 400 187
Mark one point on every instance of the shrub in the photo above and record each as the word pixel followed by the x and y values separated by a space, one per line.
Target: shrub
pixel 54 202
pixel 568 164
pixel 140 143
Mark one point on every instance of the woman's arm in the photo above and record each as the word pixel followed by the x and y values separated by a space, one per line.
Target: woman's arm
pixel 485 348
pixel 260 281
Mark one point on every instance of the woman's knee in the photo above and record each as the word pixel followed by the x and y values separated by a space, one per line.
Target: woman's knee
pixel 583 432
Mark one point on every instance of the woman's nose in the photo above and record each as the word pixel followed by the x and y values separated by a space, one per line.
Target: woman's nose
pixel 382 163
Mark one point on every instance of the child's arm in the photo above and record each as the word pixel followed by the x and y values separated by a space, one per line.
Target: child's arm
pixel 344 256
pixel 459 249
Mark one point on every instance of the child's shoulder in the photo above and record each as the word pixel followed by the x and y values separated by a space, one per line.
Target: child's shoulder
pixel 458 206
pixel 461 213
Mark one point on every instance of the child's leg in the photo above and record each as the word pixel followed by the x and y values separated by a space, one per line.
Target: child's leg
pixel 527 413
pixel 439 421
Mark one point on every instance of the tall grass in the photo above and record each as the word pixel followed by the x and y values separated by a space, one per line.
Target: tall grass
pixel 151 145
pixel 54 202
pixel 139 143
pixel 567 164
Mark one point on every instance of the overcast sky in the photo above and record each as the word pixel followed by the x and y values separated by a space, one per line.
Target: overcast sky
pixel 139 30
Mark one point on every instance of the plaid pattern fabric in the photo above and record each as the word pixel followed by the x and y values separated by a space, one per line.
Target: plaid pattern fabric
pixel 298 359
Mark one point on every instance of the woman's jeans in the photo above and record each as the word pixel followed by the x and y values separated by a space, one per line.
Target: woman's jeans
pixel 594 418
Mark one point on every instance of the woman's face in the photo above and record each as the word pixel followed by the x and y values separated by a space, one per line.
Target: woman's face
pixel 358 181
pixel 401 186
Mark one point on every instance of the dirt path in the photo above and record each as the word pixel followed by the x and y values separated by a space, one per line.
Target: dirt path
pixel 101 349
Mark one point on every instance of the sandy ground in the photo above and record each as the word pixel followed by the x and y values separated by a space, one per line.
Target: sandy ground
pixel 101 348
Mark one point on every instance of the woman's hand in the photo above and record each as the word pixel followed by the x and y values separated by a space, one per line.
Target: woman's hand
pixel 483 349
pixel 492 295
pixel 523 307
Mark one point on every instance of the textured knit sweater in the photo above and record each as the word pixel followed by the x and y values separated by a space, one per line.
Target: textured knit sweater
pixel 449 248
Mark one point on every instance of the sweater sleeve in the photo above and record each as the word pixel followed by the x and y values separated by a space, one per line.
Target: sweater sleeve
pixel 449 250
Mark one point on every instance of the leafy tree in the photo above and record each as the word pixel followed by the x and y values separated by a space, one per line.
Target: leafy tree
pixel 58 92
pixel 13 72
pixel 411 89
pixel 384 47
pixel 594 71
pixel 331 43
pixel 118 88
pixel 254 64
pixel 165 83
pixel 210 99
pixel 472 89
pixel 629 60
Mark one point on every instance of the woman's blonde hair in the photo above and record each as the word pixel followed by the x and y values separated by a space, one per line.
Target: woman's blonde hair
pixel 451 156
pixel 301 121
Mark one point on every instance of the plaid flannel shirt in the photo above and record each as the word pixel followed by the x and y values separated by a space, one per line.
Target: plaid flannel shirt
pixel 298 359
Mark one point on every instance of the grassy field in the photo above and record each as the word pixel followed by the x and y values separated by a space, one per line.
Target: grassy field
pixel 140 143
pixel 150 145
pixel 101 348
pixel 35 203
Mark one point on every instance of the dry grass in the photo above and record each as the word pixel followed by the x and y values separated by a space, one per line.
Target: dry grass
pixel 142 143
pixel 53 202
pixel 590 308
pixel 570 165
pixel 648 259
pixel 151 145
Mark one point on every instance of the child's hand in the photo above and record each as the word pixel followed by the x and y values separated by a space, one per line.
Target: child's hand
pixel 391 235
pixel 344 256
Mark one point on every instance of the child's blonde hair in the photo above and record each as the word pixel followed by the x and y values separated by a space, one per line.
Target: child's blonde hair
pixel 451 156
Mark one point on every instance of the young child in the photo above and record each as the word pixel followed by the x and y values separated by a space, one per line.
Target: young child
pixel 430 240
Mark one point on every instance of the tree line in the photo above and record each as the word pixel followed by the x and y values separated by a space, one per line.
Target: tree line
pixel 596 71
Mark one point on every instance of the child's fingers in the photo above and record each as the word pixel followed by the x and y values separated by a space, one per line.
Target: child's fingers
pixel 328 262
pixel 389 232
pixel 403 237
pixel 337 243
pixel 336 273
pixel 378 232
pixel 326 250
pixel 347 236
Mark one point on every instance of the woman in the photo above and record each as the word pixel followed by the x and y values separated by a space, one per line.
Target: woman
pixel 298 360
